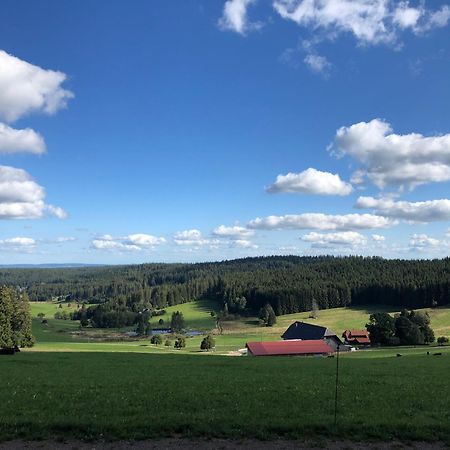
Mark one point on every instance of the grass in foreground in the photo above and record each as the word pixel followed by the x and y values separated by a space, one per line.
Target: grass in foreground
pixel 134 396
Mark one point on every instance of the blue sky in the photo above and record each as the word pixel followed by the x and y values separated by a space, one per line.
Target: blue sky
pixel 207 130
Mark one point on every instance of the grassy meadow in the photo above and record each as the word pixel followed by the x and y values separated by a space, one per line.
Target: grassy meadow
pixel 134 396
pixel 72 385
pixel 66 335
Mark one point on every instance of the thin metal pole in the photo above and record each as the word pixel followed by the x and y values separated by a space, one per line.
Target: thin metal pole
pixel 337 387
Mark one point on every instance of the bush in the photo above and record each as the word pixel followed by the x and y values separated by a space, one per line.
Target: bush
pixel 208 343
pixel 442 340
pixel 156 339
pixel 161 322
pixel 168 343
pixel 180 342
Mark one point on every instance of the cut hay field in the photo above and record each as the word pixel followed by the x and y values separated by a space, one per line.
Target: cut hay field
pixel 134 396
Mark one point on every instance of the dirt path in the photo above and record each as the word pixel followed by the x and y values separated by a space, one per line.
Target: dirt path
pixel 216 444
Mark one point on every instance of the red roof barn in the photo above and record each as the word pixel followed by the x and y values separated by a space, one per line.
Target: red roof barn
pixel 289 348
pixel 356 337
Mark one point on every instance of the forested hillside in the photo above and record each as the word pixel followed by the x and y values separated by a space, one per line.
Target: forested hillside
pixel 288 283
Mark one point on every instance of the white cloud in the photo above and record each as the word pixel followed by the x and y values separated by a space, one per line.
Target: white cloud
pixel 422 241
pixel 235 232
pixel 16 185
pixel 317 63
pixel 369 21
pixel 319 221
pixel 56 211
pixel 390 159
pixel 427 211
pixel 108 244
pixel 194 238
pixel 243 243
pixel 17 244
pixel 20 141
pixel 341 239
pixel 190 237
pixel 438 19
pixel 234 17
pixel 26 88
pixel 378 238
pixel 132 242
pixel 406 16
pixel 145 240
pixel 22 198
pixel 311 181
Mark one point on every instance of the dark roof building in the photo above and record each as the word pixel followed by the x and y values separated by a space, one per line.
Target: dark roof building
pixel 289 348
pixel 356 337
pixel 309 332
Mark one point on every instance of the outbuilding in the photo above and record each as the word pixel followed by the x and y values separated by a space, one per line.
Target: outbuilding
pixel 356 337
pixel 310 332
pixel 289 348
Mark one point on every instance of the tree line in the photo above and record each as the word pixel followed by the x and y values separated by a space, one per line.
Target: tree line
pixel 288 284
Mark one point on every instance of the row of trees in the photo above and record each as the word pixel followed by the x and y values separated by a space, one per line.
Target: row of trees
pixel 15 320
pixel 406 328
pixel 207 343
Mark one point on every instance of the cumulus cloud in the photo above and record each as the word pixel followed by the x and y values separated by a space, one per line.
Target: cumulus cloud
pixel 22 198
pixel 145 240
pixel 235 232
pixel 422 241
pixel 378 238
pixel 369 21
pixel 106 242
pixel 426 211
pixel 390 159
pixel 26 88
pixel 311 181
pixel 20 141
pixel 243 243
pixel 132 242
pixel 191 237
pixel 18 244
pixel 319 221
pixel 234 17
pixel 56 211
pixel 340 239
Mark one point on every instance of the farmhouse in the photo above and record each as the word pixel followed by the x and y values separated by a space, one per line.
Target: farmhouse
pixel 356 337
pixel 289 348
pixel 309 332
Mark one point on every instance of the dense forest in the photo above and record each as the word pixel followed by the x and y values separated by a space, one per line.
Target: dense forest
pixel 288 283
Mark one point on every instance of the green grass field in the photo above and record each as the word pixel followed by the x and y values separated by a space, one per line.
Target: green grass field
pixel 85 386
pixel 64 335
pixel 197 315
pixel 134 396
